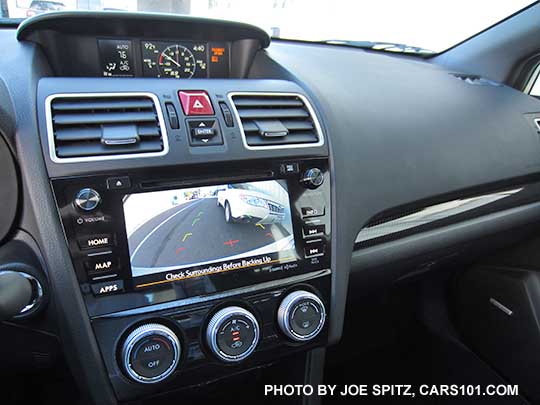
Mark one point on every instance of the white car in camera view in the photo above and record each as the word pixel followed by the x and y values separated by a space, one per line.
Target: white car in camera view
pixel 246 203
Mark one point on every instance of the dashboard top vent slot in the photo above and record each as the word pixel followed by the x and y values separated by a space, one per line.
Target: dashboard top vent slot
pixel 276 120
pixel 104 126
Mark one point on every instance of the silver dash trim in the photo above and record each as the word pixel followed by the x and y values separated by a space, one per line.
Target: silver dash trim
pixel 104 277
pixel 50 128
pixel 500 306
pixel 306 102
pixel 431 214
pixel 226 294
pixel 108 252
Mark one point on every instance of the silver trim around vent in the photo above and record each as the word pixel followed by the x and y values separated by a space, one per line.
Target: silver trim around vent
pixel 431 214
pixel 306 102
pixel 50 128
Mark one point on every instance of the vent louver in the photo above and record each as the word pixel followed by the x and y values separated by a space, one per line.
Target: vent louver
pixel 276 120
pixel 102 126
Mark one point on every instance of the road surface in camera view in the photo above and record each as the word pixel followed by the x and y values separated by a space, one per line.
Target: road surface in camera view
pixel 195 232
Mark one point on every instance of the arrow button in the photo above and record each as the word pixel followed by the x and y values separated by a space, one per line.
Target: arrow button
pixel 117 183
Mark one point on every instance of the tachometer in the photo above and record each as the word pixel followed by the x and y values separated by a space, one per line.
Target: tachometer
pixel 176 61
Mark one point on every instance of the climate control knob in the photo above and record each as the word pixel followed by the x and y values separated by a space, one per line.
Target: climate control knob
pixel 301 316
pixel 151 353
pixel 232 334
pixel 312 178
pixel 87 199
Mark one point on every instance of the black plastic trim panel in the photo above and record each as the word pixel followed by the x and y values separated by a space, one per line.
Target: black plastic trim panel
pixel 180 152
pixel 141 24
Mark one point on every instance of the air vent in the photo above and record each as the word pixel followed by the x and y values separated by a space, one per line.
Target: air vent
pixel 276 120
pixel 105 126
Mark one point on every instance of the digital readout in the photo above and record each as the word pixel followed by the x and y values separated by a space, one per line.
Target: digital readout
pixel 116 57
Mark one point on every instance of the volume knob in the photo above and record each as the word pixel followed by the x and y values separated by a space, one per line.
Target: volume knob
pixel 87 199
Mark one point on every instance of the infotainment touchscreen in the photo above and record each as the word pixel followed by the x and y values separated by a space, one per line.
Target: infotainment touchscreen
pixel 193 232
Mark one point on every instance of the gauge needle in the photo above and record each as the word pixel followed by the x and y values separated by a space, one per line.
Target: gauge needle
pixel 172 60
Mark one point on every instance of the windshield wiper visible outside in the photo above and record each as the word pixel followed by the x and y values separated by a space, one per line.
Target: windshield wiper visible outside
pixel 381 46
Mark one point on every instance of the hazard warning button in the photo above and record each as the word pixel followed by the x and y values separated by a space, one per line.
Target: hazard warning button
pixel 195 102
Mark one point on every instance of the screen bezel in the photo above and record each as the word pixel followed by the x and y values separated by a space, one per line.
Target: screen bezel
pixel 155 179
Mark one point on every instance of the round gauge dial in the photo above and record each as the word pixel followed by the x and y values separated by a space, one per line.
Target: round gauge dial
pixel 176 61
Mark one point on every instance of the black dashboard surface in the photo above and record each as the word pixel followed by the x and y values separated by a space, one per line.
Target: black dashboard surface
pixel 403 130
pixel 400 129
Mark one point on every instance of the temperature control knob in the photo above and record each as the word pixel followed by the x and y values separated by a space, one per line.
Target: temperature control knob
pixel 87 199
pixel 301 316
pixel 151 353
pixel 312 178
pixel 232 334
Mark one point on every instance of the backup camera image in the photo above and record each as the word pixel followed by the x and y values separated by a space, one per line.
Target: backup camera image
pixel 178 229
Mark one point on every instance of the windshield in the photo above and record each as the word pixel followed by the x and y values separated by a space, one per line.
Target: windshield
pixel 427 24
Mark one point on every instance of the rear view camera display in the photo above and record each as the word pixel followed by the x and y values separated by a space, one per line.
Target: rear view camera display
pixel 193 232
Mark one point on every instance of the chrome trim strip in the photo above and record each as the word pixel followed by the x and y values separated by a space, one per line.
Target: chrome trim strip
pixel 306 102
pixel 226 294
pixel 531 80
pixel 431 214
pixel 37 293
pixel 500 306
pixel 50 129
pixel 537 123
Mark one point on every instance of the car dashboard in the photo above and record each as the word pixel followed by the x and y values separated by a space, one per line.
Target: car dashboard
pixel 195 201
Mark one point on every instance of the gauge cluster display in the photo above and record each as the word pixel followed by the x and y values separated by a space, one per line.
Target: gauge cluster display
pixel 175 60
pixel 163 59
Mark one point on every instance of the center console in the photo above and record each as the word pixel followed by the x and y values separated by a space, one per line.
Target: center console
pixel 193 274
pixel 195 205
